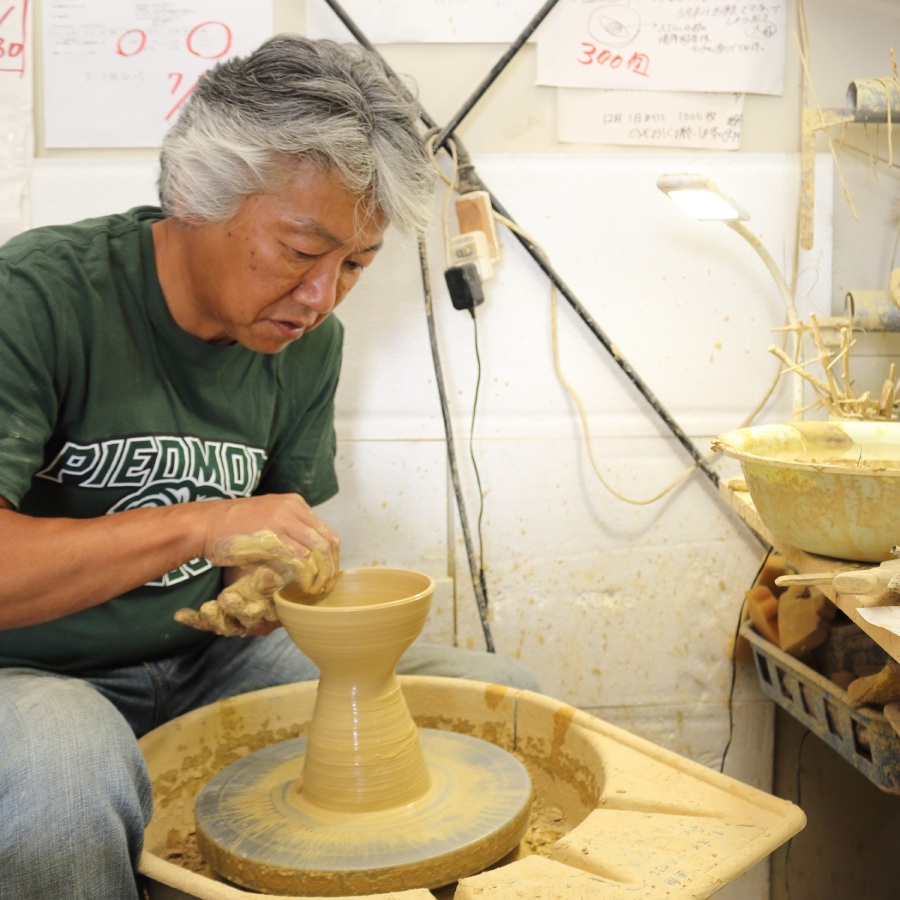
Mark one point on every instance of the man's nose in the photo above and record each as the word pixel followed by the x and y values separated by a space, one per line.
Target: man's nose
pixel 319 288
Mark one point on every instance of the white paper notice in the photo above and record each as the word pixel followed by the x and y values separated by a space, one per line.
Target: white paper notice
pixel 883 616
pixel 424 21
pixel 16 131
pixel 664 45
pixel 115 74
pixel 650 118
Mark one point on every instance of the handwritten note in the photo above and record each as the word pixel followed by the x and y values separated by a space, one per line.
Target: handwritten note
pixel 116 74
pixel 664 45
pixel 424 21
pixel 650 118
pixel 13 25
pixel 16 129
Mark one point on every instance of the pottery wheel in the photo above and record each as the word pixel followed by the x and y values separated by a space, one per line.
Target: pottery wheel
pixel 256 829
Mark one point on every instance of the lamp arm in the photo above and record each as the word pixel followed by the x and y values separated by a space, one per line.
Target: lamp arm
pixel 772 266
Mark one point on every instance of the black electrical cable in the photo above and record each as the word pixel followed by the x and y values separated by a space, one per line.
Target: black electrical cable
pixel 469 181
pixel 477 393
pixel 475 571
pixel 787 846
pixel 737 630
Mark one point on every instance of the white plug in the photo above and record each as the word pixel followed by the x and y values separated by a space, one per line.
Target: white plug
pixel 472 247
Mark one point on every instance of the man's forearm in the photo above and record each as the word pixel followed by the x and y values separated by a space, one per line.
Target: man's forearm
pixel 55 567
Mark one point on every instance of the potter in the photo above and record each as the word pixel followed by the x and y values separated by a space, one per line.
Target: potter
pixel 167 382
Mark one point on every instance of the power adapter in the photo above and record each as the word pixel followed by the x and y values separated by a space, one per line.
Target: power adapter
pixel 464 284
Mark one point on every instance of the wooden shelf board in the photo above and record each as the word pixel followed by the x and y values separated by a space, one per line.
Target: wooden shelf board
pixel 739 501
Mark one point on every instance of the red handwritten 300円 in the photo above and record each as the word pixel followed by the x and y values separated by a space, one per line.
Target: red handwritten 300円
pixel 591 55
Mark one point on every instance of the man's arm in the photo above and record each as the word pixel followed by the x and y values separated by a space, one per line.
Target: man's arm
pixel 54 567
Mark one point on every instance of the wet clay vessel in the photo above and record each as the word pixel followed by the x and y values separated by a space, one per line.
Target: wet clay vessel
pixel 367 801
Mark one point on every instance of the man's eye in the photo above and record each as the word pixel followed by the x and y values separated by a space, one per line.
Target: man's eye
pixel 300 254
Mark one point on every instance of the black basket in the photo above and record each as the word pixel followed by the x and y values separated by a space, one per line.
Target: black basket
pixel 862 736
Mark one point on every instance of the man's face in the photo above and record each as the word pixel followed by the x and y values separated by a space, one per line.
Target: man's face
pixel 279 267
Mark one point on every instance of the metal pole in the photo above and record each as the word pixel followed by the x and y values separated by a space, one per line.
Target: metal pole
pixel 475 571
pixel 474 182
pixel 492 76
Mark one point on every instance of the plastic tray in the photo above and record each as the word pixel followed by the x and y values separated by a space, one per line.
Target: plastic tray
pixel 862 736
pixel 642 822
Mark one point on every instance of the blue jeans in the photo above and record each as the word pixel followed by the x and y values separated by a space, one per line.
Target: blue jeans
pixel 74 792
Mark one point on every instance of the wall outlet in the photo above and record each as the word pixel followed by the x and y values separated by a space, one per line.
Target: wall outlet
pixel 474 213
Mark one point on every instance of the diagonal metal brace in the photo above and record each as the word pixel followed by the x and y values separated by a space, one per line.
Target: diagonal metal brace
pixel 469 180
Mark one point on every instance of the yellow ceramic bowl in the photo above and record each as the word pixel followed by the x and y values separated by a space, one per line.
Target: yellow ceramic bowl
pixel 831 488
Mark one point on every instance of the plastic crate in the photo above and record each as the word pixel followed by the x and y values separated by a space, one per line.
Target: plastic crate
pixel 862 736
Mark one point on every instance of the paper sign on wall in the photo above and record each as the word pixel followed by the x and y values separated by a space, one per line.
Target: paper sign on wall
pixel 16 133
pixel 664 45
pixel 116 74
pixel 650 118
pixel 424 21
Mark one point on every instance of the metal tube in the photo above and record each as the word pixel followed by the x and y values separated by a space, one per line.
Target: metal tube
pixel 872 311
pixel 875 100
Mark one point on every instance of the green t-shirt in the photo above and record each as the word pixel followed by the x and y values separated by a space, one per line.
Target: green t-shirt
pixel 106 404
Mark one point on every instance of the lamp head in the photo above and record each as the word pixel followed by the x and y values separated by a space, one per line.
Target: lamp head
pixel 699 197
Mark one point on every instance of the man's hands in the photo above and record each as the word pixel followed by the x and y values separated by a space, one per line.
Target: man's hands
pixel 298 548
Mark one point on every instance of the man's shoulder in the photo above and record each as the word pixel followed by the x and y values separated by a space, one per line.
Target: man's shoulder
pixel 51 239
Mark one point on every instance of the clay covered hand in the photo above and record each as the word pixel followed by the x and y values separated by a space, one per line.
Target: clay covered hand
pixel 247 605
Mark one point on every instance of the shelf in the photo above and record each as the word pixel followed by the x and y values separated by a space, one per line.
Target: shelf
pixel 738 499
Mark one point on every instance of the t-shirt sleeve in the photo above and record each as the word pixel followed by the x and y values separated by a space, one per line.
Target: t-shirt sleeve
pixel 30 355
pixel 302 458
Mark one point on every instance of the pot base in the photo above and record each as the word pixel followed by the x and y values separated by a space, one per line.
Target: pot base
pixel 256 829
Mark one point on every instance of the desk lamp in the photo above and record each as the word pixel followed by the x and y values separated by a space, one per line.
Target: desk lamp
pixel 701 198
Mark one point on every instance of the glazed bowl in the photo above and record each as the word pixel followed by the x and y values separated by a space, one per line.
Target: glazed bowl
pixel 830 488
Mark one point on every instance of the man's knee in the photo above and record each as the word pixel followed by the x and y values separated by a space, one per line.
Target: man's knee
pixel 476 665
pixel 69 766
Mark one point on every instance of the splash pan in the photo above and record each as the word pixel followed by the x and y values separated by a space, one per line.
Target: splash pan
pixel 831 488
pixel 641 822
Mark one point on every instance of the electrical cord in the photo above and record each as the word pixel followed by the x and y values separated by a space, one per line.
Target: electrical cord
pixel 472 447
pixel 476 563
pixel 475 571
pixel 787 846
pixel 579 405
pixel 734 644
